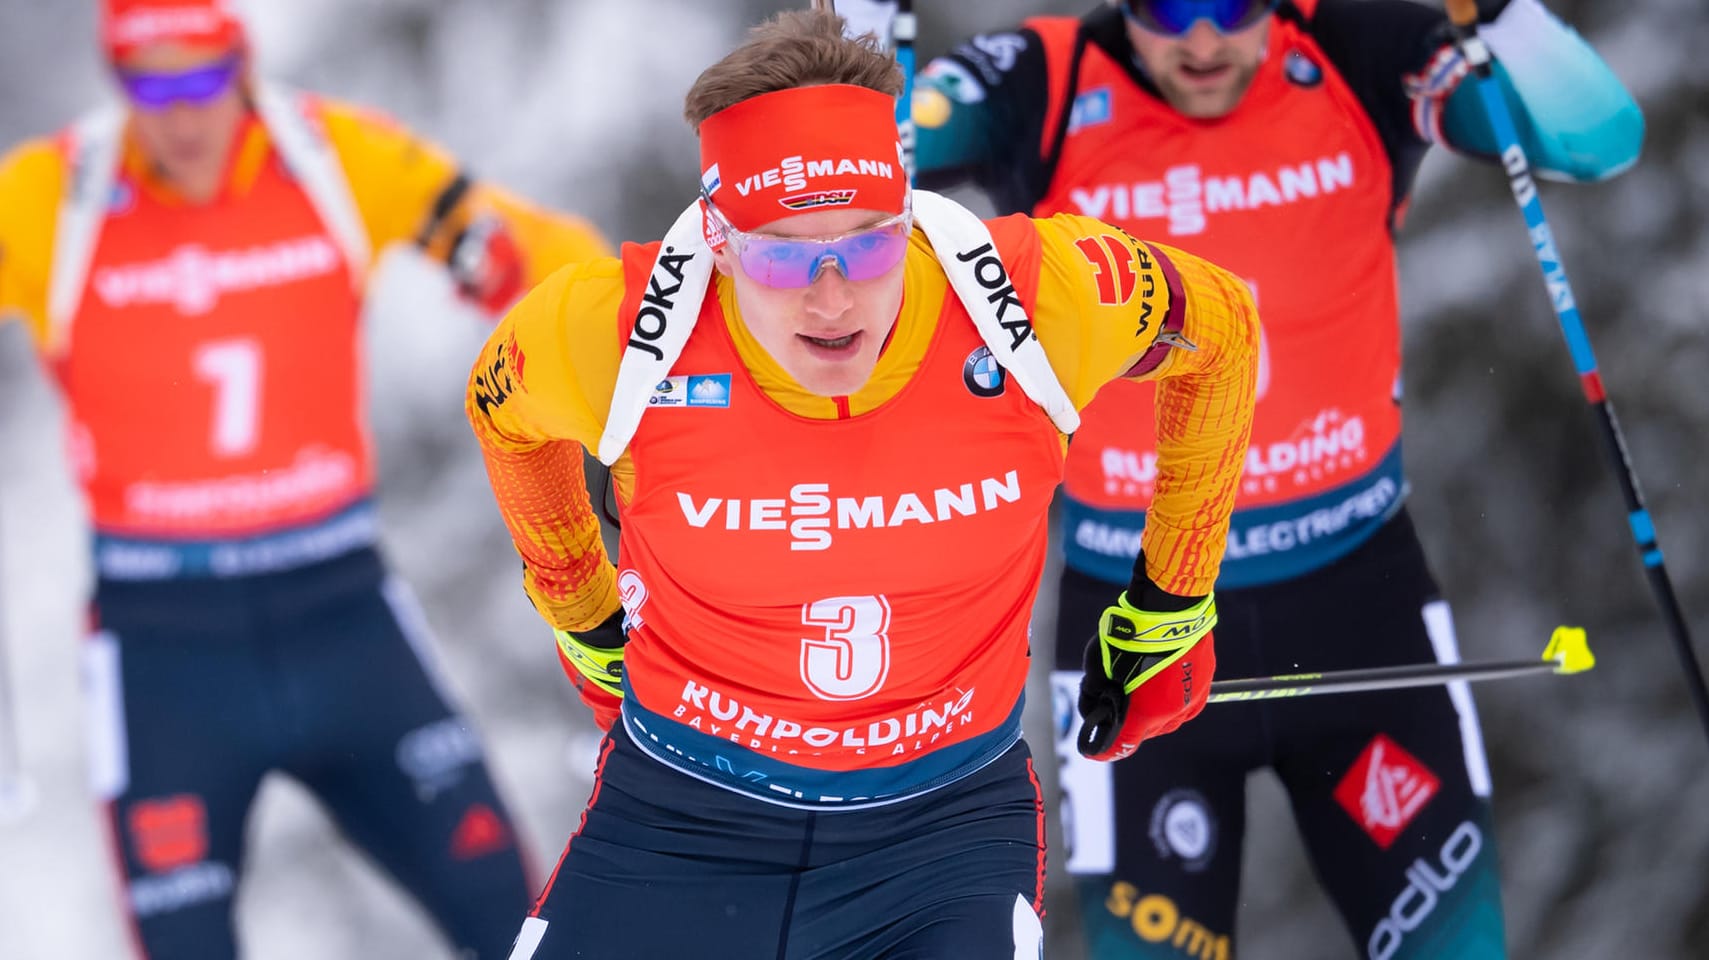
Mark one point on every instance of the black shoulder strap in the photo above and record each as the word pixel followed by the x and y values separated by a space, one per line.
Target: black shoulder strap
pixel 1288 10
pixel 443 205
pixel 1051 156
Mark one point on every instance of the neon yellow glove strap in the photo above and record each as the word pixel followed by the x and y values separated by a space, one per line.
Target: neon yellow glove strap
pixel 1155 639
pixel 603 666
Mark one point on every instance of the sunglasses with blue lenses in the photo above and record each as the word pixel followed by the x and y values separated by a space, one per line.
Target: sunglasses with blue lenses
pixel 157 91
pixel 792 263
pixel 1173 18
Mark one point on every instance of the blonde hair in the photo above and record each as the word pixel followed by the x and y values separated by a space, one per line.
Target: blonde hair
pixel 797 48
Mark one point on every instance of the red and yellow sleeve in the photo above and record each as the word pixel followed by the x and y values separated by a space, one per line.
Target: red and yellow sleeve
pixel 539 395
pixel 32 179
pixel 1101 303
pixel 398 180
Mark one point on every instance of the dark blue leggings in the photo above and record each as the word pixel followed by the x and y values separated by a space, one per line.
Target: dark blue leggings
pixel 202 687
pixel 667 866
pixel 1390 791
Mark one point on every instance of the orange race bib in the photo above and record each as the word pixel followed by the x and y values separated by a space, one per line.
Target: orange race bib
pixel 833 612
pixel 1291 192
pixel 212 370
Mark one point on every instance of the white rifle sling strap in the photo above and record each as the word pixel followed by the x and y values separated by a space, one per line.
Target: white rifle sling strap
pixel 677 286
pixel 93 166
pixel 313 161
pixel 969 258
pixel 96 142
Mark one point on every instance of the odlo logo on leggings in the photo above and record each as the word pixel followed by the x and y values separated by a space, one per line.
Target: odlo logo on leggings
pixel 1427 884
pixel 1385 789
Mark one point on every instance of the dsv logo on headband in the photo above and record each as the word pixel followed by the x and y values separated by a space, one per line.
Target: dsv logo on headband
pixel 794 172
pixel 651 321
pixel 817 198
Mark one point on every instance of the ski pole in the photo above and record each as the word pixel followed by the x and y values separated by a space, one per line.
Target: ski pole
pixel 1464 15
pixel 902 35
pixel 1568 652
pixel 903 29
pixel 17 793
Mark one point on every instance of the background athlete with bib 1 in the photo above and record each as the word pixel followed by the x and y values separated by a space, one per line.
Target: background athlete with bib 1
pixel 192 266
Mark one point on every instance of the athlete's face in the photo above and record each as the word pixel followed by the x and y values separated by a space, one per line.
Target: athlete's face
pixel 1203 73
pixel 187 105
pixel 826 335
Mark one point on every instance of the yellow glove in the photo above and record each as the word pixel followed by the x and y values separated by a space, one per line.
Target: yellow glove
pixel 593 659
pixel 1126 696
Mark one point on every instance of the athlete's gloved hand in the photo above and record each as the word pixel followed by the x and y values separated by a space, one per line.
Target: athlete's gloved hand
pixel 486 265
pixel 1146 673
pixel 593 660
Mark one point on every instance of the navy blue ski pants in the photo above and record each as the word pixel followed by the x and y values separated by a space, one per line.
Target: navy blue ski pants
pixel 666 866
pixel 203 686
pixel 1390 791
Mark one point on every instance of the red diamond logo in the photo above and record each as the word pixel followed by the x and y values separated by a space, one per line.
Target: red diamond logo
pixel 479 833
pixel 169 832
pixel 1385 789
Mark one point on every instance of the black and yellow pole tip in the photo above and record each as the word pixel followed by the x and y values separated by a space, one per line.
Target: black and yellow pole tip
pixel 1569 650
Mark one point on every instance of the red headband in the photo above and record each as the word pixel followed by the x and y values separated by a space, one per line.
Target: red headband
pixel 801 149
pixel 129 25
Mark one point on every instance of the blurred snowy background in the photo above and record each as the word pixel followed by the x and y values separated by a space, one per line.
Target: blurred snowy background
pixel 1602 785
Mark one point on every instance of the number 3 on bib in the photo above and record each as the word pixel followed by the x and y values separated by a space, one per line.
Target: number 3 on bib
pixel 852 658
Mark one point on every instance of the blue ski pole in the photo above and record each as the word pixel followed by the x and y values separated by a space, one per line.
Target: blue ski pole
pixel 1464 15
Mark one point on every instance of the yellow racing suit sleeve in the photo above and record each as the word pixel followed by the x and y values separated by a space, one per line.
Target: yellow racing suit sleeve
pixel 1102 298
pixel 548 239
pixel 407 189
pixel 539 395
pixel 32 179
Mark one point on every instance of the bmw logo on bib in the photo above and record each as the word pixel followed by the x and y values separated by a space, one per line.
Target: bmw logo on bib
pixel 982 373
pixel 1302 70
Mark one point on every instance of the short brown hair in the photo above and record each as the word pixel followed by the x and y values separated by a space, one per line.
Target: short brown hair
pixel 796 48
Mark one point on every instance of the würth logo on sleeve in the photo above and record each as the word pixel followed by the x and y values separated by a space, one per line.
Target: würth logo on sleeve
pixel 502 376
pixel 1385 789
